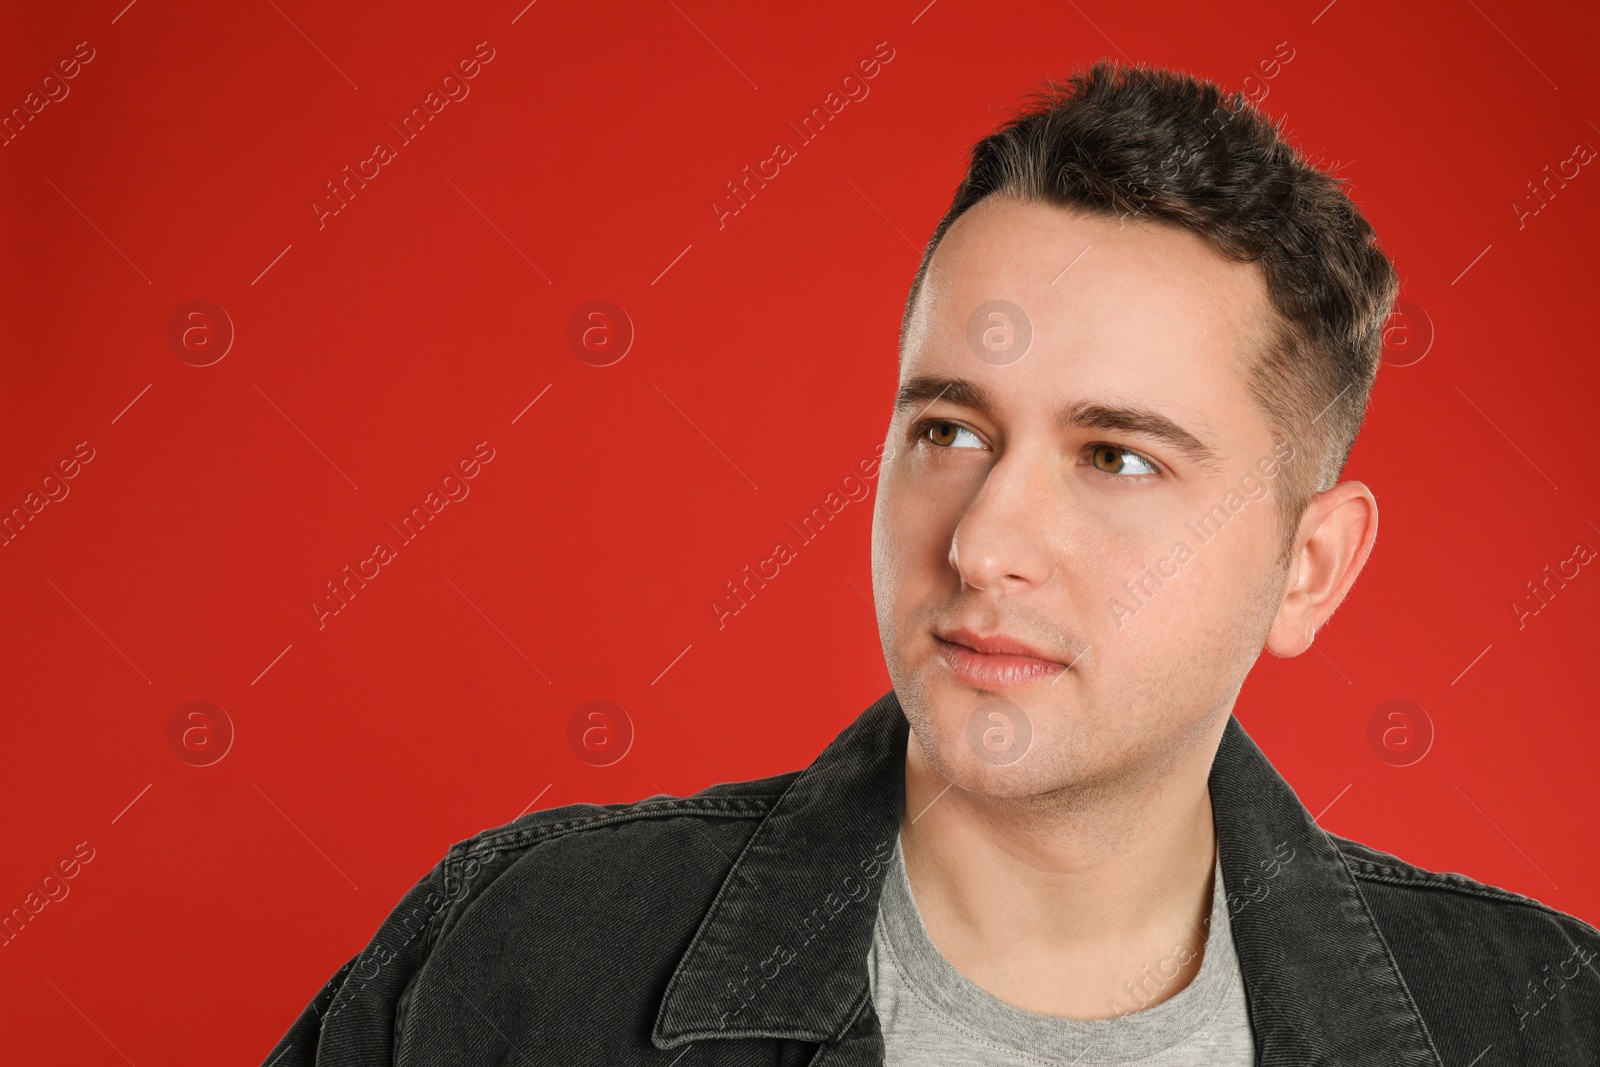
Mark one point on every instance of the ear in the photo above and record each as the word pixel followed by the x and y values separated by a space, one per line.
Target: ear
pixel 1335 538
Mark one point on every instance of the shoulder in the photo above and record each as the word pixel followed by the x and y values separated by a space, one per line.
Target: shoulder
pixel 1455 894
pixel 575 841
pixel 528 918
pixel 750 799
pixel 572 863
pixel 1484 964
pixel 562 909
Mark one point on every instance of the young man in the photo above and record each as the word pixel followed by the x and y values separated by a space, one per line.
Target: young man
pixel 1051 842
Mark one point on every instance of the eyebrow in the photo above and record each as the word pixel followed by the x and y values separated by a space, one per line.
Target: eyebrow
pixel 925 390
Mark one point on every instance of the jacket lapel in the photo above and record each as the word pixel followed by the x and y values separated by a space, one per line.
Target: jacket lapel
pixel 1321 983
pixel 782 952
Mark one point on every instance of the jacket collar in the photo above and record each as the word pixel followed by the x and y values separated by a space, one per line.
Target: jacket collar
pixel 782 950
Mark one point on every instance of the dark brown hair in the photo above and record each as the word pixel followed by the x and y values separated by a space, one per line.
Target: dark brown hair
pixel 1131 140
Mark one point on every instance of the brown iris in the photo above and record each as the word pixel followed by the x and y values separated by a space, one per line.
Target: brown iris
pixel 1112 456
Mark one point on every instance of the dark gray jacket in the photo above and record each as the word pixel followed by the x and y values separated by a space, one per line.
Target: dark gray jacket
pixel 732 927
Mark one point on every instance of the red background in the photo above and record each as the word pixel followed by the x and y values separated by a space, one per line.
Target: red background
pixel 374 353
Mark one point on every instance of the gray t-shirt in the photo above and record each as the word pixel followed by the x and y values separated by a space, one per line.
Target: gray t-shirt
pixel 934 1016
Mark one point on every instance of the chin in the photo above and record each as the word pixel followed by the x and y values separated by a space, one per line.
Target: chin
pixel 987 744
pixel 982 742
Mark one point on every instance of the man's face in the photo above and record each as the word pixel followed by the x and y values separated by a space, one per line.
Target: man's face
pixel 1001 525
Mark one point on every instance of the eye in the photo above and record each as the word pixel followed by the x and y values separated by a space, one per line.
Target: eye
pixel 943 433
pixel 1113 459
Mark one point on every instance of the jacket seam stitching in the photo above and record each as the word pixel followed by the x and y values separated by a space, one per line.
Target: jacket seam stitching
pixel 862 999
pixel 497 842
pixel 1387 875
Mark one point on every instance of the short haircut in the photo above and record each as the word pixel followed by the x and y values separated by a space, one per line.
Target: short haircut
pixel 1120 140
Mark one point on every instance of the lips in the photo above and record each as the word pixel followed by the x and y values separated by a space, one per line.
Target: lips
pixel 993 661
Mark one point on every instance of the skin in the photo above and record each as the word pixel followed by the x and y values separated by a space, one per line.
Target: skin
pixel 1052 879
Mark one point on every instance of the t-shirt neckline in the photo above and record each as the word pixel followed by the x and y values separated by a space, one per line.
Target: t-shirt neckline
pixel 901 931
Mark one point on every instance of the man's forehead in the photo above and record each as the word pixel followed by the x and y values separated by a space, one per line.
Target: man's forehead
pixel 1047 257
pixel 1142 310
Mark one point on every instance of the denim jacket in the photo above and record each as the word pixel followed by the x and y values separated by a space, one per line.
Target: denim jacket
pixel 733 926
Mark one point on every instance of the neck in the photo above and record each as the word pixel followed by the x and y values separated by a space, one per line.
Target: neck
pixel 1066 906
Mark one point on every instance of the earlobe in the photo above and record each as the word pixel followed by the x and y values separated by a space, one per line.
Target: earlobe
pixel 1336 536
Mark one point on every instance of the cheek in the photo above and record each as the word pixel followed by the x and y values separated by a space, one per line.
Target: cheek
pixel 1179 592
pixel 912 524
pixel 897 554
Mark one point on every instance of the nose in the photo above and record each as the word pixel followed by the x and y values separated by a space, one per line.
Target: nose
pixel 1002 542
